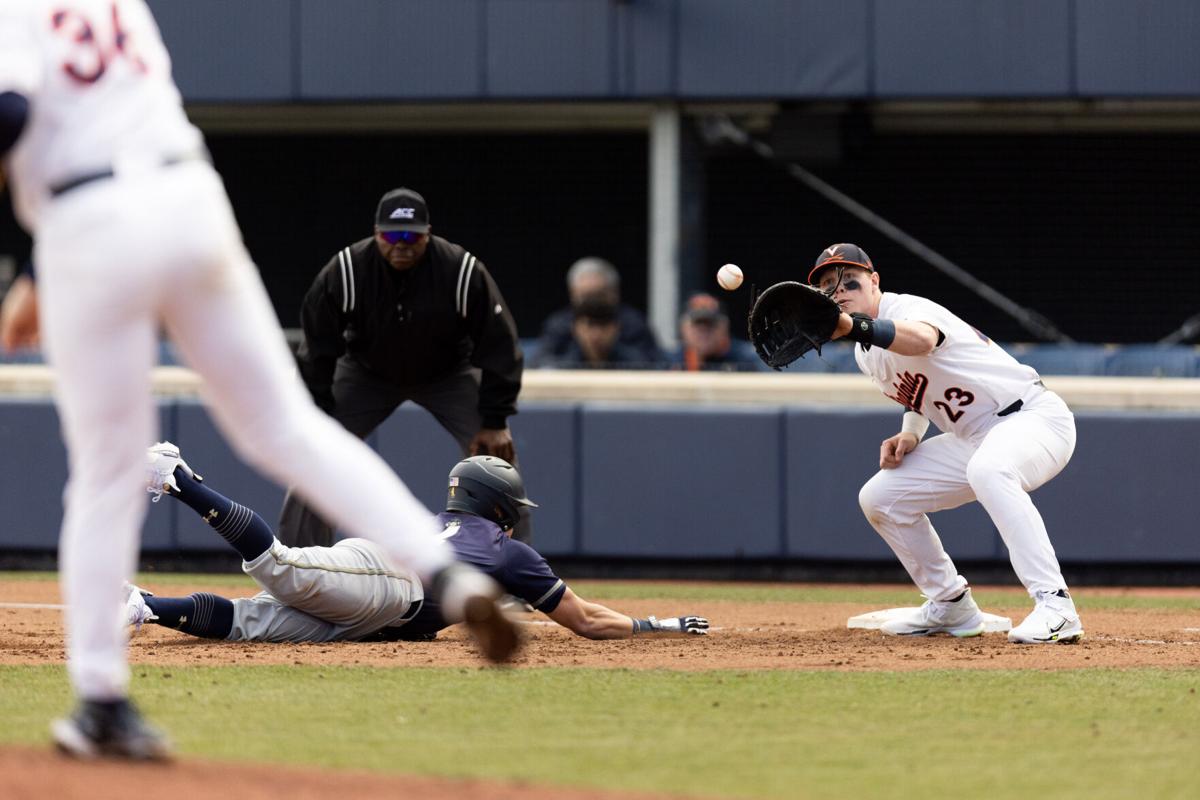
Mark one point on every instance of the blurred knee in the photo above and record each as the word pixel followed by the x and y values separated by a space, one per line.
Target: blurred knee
pixel 284 435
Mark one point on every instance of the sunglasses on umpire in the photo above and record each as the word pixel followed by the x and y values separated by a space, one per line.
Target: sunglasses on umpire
pixel 408 237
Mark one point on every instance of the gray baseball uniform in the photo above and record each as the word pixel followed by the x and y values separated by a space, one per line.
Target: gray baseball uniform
pixel 322 594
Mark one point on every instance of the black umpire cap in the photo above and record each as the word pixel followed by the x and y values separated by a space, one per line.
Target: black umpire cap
pixel 402 210
pixel 850 255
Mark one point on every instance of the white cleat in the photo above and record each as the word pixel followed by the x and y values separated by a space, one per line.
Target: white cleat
pixel 136 611
pixel 1053 620
pixel 162 459
pixel 961 618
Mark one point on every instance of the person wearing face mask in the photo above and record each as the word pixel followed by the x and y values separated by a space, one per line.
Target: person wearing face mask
pixel 406 315
pixel 1003 434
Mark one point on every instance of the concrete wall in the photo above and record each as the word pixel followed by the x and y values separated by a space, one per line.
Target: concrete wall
pixel 680 483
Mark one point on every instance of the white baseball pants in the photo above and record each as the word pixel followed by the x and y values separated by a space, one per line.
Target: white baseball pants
pixel 1017 455
pixel 115 259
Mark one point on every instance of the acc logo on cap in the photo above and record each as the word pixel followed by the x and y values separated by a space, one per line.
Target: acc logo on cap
pixel 403 213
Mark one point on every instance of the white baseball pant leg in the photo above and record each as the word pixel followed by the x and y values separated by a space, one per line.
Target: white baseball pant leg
pixel 896 502
pixel 96 294
pixel 221 319
pixel 1015 457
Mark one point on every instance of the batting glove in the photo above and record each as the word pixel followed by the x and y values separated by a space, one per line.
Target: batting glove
pixel 695 626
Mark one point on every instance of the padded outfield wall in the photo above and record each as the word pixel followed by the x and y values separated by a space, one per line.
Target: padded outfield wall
pixel 692 478
pixel 372 50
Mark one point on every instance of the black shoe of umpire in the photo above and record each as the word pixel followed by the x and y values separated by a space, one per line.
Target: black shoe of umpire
pixel 109 730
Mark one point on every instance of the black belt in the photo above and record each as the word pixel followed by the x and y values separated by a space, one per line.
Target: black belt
pixel 1015 407
pixel 102 175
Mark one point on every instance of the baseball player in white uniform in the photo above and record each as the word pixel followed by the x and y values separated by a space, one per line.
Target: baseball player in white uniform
pixel 132 229
pixel 1003 435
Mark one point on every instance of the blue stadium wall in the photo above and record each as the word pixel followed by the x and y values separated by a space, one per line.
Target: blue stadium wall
pixel 732 483
pixel 358 50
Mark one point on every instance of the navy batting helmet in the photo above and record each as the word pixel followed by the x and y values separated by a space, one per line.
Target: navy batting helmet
pixel 487 487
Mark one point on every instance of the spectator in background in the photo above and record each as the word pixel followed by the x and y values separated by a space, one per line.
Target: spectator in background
pixel 705 342
pixel 587 278
pixel 596 339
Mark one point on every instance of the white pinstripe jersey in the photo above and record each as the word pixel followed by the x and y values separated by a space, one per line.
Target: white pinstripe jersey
pixel 961 385
pixel 98 80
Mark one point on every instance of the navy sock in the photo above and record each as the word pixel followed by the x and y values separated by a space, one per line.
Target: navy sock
pixel 246 532
pixel 200 614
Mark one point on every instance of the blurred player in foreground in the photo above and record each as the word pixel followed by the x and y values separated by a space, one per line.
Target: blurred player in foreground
pixel 132 229
pixel 349 592
pixel 1003 435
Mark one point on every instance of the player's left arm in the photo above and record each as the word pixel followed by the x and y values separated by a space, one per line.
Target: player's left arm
pixel 594 621
pixel 901 336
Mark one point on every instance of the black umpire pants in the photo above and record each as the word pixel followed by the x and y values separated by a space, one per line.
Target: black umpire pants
pixel 363 402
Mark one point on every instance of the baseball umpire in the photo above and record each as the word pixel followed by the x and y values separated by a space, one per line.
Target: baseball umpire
pixel 351 591
pixel 1004 434
pixel 406 315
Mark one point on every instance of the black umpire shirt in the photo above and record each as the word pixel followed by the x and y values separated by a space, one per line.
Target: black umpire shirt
pixel 411 327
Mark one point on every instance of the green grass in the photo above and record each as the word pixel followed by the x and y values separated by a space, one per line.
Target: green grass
pixel 803 734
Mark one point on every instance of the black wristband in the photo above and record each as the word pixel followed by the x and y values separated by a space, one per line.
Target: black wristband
pixel 878 332
pixel 642 625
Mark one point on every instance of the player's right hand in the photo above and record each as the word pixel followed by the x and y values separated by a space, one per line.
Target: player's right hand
pixel 18 315
pixel 894 448
pixel 696 626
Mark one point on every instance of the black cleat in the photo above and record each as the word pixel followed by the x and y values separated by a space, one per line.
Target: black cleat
pixel 109 730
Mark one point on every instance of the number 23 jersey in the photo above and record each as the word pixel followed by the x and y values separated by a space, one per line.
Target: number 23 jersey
pixel 959 387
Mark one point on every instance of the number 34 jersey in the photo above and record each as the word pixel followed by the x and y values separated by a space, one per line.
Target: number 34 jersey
pixel 962 385
pixel 101 97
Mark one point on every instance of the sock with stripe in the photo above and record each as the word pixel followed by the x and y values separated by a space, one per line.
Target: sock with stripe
pixel 246 532
pixel 200 614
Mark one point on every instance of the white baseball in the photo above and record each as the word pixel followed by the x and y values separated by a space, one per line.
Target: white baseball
pixel 730 277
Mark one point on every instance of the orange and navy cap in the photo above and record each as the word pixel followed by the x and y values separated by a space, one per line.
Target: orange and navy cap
pixel 848 254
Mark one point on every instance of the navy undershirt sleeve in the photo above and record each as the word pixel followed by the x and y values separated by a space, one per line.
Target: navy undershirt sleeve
pixel 14 111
